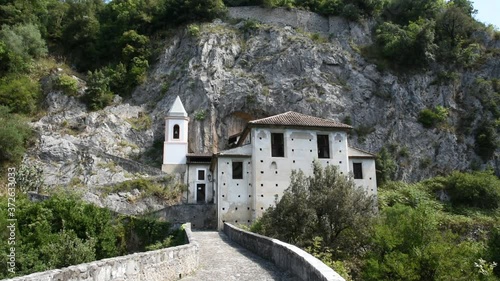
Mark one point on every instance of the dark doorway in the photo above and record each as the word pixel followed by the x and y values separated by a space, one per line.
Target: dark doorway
pixel 200 193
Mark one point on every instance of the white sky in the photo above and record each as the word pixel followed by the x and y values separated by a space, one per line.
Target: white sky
pixel 488 11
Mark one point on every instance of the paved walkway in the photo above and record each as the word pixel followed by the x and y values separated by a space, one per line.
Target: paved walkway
pixel 223 260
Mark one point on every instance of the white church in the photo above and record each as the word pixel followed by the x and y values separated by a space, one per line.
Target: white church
pixel 250 177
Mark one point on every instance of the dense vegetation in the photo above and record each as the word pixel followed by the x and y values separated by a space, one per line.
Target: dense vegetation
pixel 63 231
pixel 414 237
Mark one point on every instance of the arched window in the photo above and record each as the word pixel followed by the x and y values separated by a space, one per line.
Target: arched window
pixel 176 132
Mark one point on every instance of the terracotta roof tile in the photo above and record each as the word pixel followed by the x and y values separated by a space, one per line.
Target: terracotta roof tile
pixel 291 118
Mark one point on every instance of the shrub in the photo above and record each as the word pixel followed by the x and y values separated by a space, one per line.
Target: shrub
pixel 67 84
pixel 408 245
pixel 194 30
pixel 143 122
pixel 477 189
pixel 98 95
pixel 14 133
pixel 24 40
pixel 200 115
pixel 385 166
pixel 430 117
pixel 19 93
pixel 486 141
pixel 409 46
pixel 29 178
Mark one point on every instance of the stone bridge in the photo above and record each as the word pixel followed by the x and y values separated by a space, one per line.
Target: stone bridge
pixel 233 254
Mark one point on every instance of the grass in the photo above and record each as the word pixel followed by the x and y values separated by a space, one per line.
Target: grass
pixel 167 188
pixel 140 123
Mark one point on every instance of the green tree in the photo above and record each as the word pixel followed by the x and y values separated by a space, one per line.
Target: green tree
pixel 408 46
pixel 180 11
pixel 405 11
pixel 98 95
pixel 454 28
pixel 385 167
pixel 81 32
pixel 326 204
pixel 24 40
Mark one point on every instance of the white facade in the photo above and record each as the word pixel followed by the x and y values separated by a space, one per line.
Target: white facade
pixel 246 180
pixel 367 177
pixel 272 174
pixel 200 185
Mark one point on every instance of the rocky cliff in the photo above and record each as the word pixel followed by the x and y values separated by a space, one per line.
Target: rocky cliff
pixel 229 72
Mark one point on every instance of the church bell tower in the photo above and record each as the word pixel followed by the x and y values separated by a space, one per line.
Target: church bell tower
pixel 175 147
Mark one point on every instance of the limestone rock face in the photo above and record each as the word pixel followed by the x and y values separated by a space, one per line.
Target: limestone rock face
pixel 235 72
pixel 232 73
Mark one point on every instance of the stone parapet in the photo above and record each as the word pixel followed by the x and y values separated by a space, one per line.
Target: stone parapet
pixel 285 256
pixel 164 264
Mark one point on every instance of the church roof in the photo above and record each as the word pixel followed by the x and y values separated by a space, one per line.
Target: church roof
pixel 245 150
pixel 358 153
pixel 292 118
pixel 177 109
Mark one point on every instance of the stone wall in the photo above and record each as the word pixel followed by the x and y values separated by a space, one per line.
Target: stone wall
pixel 201 216
pixel 308 21
pixel 285 256
pixel 165 264
pixel 332 26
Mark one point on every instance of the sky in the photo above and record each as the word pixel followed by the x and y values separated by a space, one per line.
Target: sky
pixel 488 11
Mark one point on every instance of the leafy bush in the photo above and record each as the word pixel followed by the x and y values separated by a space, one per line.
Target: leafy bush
pixel 404 11
pixel 408 46
pixel 194 30
pixel 494 248
pixel 408 245
pixel 487 142
pixel 64 231
pixel 98 95
pixel 24 40
pixel 477 189
pixel 10 61
pixel 19 93
pixel 14 133
pixel 143 122
pixel 67 84
pixel 430 117
pixel 29 178
pixel 200 115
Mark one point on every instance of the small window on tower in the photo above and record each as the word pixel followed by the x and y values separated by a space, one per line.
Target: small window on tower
pixel 176 132
pixel 357 169
pixel 237 170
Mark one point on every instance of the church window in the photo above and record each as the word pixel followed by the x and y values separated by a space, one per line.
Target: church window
pixel 201 175
pixel 323 146
pixel 277 145
pixel 237 170
pixel 357 169
pixel 176 132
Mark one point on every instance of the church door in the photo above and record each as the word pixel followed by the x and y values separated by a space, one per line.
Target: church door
pixel 200 193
